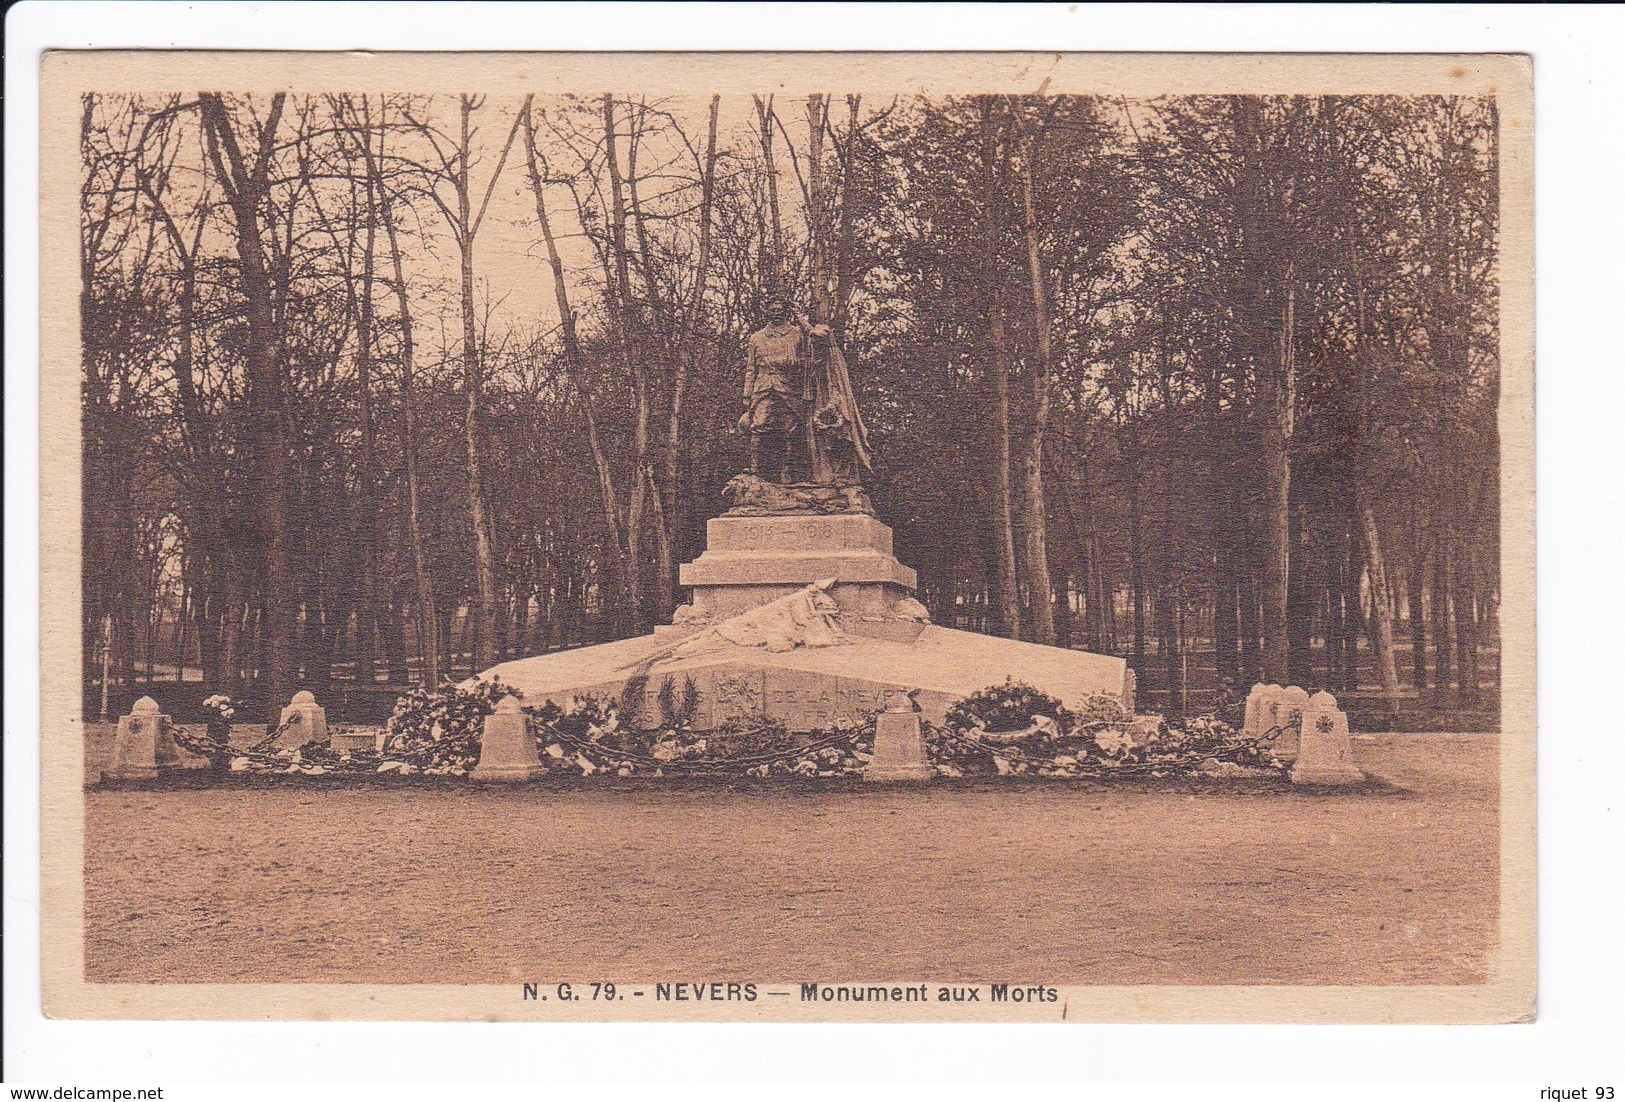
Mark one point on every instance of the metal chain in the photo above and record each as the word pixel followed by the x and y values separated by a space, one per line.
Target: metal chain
pixel 361 761
pixel 1227 752
pixel 701 765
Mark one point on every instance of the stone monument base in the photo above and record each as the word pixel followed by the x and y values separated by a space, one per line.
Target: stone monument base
pixel 877 639
pixel 809 689
pixel 750 560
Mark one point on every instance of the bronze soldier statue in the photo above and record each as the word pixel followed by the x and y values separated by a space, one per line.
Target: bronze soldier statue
pixel 798 392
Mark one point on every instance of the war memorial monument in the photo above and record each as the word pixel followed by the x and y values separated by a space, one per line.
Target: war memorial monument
pixel 800 612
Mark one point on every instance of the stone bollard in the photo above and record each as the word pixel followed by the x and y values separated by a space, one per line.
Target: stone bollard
pixel 303 720
pixel 1260 710
pixel 1272 706
pixel 143 747
pixel 1325 754
pixel 899 743
pixel 507 750
pixel 1288 707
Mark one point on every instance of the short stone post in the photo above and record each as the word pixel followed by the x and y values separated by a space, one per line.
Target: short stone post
pixel 1288 708
pixel 303 720
pixel 1325 754
pixel 899 744
pixel 1256 719
pixel 143 747
pixel 507 750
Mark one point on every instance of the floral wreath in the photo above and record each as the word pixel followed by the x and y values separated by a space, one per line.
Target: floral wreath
pixel 829 417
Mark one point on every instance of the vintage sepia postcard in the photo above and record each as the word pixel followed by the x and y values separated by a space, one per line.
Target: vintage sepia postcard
pixel 788 537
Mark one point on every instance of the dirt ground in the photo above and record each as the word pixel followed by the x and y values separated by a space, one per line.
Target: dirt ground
pixel 1052 883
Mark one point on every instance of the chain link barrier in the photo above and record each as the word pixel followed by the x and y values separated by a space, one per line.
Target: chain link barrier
pixel 716 767
pixel 318 758
pixel 1248 753
pixel 1076 755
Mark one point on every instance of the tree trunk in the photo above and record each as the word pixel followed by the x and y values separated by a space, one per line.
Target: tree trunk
pixel 1353 618
pixel 575 365
pixel 850 175
pixel 1263 264
pixel 694 333
pixel 651 350
pixel 1094 586
pixel 232 617
pixel 428 618
pixel 1168 641
pixel 1462 605
pixel 1382 625
pixel 246 187
pixel 366 528
pixel 1277 436
pixel 1247 598
pixel 1226 623
pixel 1418 625
pixel 1300 598
pixel 1136 553
pixel 485 600
pixel 1444 626
pixel 1037 552
pixel 770 272
pixel 629 336
pixel 1007 601
pixel 818 261
pixel 1222 490
pixel 1167 599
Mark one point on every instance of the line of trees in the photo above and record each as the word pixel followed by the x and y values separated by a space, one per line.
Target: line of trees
pixel 396 386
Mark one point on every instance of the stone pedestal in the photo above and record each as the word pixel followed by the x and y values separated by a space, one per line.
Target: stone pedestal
pixel 1260 712
pixel 749 561
pixel 143 747
pixel 1276 706
pixel 1289 706
pixel 899 745
pixel 1325 754
pixel 507 750
pixel 303 720
pixel 775 543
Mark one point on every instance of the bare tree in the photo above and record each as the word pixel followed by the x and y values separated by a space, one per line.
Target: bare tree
pixel 692 354
pixel 456 156
pixel 244 178
pixel 574 359
pixel 1039 589
pixel 1007 598
pixel 383 201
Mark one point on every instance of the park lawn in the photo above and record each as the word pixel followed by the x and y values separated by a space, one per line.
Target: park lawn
pixel 1039 882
